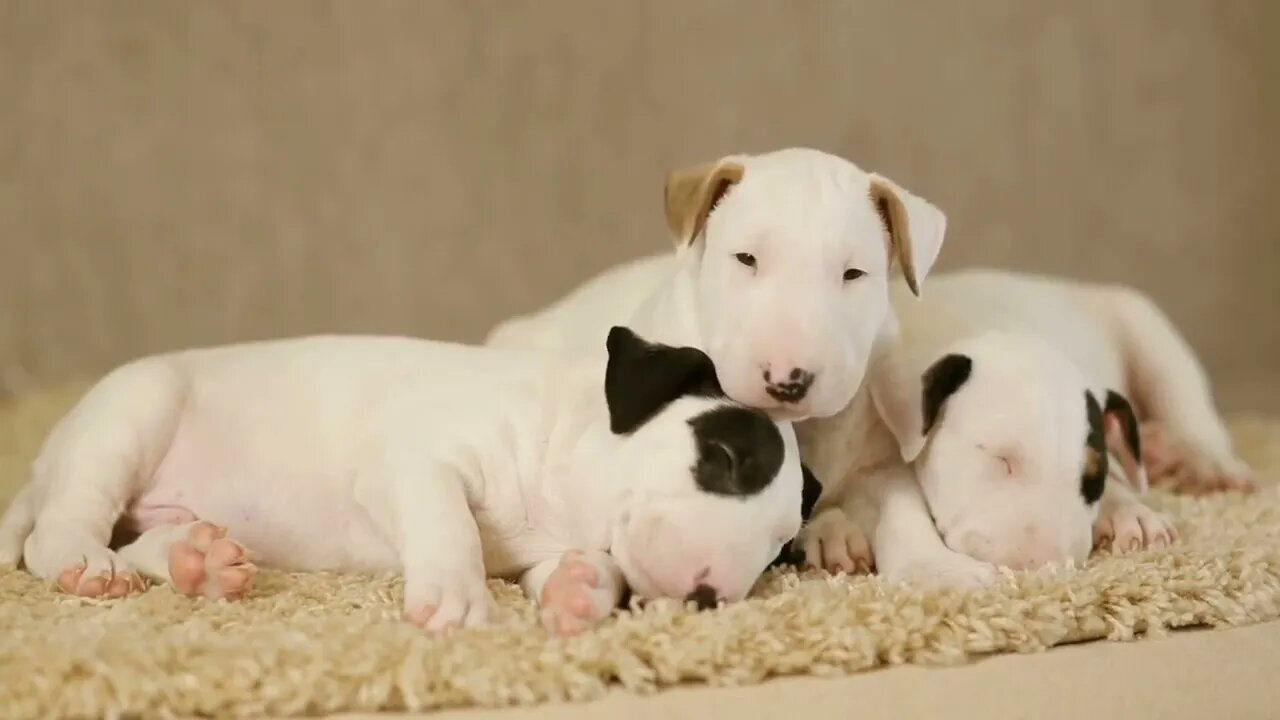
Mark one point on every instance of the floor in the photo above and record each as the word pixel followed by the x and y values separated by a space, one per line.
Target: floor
pixel 1191 674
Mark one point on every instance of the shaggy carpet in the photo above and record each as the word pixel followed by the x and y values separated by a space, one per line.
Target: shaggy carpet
pixel 316 643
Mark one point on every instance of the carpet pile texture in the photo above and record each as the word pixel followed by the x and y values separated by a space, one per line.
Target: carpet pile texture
pixel 317 643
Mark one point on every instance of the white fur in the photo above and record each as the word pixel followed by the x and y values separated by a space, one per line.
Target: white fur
pixel 1037 344
pixel 448 462
pixel 806 217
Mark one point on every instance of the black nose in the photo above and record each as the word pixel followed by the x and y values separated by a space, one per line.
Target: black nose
pixel 793 389
pixel 704 596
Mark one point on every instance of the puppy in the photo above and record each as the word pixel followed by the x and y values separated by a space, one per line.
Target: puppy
pixel 1007 392
pixel 449 463
pixel 781 274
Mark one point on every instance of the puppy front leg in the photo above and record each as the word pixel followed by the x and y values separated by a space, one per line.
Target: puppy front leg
pixel 424 511
pixel 575 590
pixel 1125 523
pixel 907 544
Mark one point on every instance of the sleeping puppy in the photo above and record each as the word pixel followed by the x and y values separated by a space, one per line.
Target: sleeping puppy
pixel 447 462
pixel 1118 339
pixel 1002 391
pixel 1022 461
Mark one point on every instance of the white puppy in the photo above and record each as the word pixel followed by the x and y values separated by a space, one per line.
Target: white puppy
pixel 1007 391
pixel 781 274
pixel 448 462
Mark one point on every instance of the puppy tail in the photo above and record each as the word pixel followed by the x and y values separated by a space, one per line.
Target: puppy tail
pixel 16 524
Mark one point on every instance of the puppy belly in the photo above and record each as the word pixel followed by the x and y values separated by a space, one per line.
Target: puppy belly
pixel 289 515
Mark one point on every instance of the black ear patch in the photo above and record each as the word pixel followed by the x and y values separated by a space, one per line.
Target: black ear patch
pixel 1120 408
pixel 812 490
pixel 1093 478
pixel 739 451
pixel 941 381
pixel 642 378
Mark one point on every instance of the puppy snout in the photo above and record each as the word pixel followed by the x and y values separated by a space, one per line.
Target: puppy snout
pixel 1016 551
pixel 791 387
pixel 704 596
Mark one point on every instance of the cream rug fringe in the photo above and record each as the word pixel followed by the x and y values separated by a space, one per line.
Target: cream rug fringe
pixel 317 643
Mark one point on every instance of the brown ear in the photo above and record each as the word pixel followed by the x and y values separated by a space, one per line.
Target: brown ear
pixel 691 193
pixel 916 228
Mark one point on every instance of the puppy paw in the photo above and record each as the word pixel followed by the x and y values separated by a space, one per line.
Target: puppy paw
pixel 448 604
pixel 100 573
pixel 1182 466
pixel 209 564
pixel 944 570
pixel 1132 526
pixel 575 596
pixel 834 543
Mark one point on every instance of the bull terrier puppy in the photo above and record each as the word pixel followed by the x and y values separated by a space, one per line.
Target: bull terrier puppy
pixel 781 274
pixel 447 462
pixel 1007 392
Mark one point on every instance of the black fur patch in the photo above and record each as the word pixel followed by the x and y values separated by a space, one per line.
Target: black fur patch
pixel 1118 406
pixel 642 378
pixel 1093 479
pixel 739 451
pixel 790 554
pixel 941 381
pixel 704 597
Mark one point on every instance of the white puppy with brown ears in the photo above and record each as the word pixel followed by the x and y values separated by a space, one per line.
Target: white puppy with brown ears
pixel 1006 393
pixel 447 462
pixel 781 273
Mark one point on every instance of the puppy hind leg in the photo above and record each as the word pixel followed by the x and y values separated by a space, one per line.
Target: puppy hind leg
pixel 15 525
pixel 92 464
pixel 1171 387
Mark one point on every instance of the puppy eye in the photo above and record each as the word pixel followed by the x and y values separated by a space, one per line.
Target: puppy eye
pixel 853 274
pixel 746 259
pixel 1004 460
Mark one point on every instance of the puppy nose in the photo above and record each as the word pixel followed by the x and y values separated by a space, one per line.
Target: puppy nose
pixel 790 389
pixel 704 596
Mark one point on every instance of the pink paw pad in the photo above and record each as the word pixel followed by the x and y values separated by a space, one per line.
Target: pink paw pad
pixel 566 606
pixel 209 564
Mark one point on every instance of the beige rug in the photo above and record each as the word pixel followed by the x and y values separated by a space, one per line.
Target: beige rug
pixel 307 644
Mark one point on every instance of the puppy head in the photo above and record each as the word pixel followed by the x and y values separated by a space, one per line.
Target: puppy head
pixel 792 252
pixel 710 490
pixel 1016 455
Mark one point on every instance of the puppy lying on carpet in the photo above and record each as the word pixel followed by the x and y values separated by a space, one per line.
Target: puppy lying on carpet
pixel 448 462
pixel 1007 395
pixel 760 242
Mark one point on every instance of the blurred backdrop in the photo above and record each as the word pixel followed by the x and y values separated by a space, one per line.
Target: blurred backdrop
pixel 177 174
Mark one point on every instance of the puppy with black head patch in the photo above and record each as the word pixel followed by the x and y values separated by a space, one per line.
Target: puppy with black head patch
pixel 1019 456
pixel 1002 390
pixel 449 463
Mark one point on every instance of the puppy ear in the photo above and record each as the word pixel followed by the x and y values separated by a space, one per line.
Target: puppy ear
pixel 1120 427
pixel 691 193
pixel 1093 477
pixel 894 377
pixel 916 229
pixel 941 381
pixel 642 378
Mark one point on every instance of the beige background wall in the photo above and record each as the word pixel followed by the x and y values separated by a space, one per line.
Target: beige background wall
pixel 188 173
